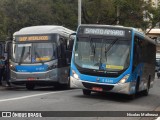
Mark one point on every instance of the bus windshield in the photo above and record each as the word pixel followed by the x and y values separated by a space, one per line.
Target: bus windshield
pixel 108 54
pixel 34 52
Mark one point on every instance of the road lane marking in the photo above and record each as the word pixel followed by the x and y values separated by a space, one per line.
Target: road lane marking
pixel 28 96
pixel 158 118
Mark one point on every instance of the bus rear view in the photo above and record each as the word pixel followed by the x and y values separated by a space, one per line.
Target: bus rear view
pixel 104 60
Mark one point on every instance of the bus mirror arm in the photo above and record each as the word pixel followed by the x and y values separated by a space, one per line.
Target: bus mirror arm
pixel 73 34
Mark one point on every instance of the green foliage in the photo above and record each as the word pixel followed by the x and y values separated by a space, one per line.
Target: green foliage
pixel 16 14
pixel 98 12
pixel 65 13
pixel 23 13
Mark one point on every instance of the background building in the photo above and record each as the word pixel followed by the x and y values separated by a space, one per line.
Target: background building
pixel 155 32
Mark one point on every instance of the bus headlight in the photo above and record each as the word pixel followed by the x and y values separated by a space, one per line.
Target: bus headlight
pixel 12 67
pixel 123 80
pixel 75 75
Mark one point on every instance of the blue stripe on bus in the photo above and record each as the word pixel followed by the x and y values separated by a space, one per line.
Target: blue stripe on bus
pixel 107 80
pixel 31 68
pixel 111 80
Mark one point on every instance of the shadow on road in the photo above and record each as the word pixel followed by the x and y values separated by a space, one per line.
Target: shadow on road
pixel 112 97
pixel 37 88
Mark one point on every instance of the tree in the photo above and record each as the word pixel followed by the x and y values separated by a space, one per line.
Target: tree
pixel 22 13
pixel 98 12
pixel 16 14
pixel 132 12
pixel 105 12
pixel 65 13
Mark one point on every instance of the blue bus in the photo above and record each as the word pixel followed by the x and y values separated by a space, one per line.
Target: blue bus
pixel 115 59
pixel 41 55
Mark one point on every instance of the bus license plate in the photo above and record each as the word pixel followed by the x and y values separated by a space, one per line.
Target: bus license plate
pixel 97 89
pixel 31 78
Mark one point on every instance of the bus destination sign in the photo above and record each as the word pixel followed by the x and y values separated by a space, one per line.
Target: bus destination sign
pixel 103 31
pixel 33 38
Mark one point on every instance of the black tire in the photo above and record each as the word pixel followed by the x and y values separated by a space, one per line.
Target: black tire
pixel 30 86
pixel 64 86
pixel 86 92
pixel 133 96
pixel 59 86
pixel 137 86
pixel 67 86
pixel 146 92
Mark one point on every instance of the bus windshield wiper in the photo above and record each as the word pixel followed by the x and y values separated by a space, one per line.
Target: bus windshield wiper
pixel 93 48
pixel 22 55
pixel 106 51
pixel 109 47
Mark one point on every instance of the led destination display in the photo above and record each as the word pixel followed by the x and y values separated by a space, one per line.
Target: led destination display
pixel 30 38
pixel 103 31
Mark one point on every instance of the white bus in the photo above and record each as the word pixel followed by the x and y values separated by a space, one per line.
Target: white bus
pixel 41 56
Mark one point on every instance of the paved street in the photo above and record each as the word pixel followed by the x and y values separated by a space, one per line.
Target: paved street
pixel 50 99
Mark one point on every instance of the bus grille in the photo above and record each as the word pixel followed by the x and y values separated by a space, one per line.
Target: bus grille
pixel 91 85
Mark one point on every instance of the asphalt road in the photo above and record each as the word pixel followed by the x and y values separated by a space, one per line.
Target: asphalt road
pixel 50 99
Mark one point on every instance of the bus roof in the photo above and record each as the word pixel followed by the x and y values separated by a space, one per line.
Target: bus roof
pixel 98 25
pixel 137 31
pixel 114 26
pixel 44 29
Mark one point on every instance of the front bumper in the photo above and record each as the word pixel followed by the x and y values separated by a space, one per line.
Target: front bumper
pixel 125 88
pixel 39 77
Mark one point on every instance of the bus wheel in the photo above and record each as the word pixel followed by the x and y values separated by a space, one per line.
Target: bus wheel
pixel 86 92
pixel 64 86
pixel 30 86
pixel 146 92
pixel 137 86
pixel 67 86
pixel 59 86
pixel 132 96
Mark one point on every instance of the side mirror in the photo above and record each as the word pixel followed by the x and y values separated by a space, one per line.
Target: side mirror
pixel 72 35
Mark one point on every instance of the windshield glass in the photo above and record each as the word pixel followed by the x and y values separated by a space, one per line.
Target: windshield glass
pixel 110 54
pixel 44 52
pixel 33 52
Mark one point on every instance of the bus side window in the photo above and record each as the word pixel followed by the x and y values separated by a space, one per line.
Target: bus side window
pixel 63 50
pixel 70 44
pixel 59 50
pixel 137 58
pixel 70 41
pixel 63 47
